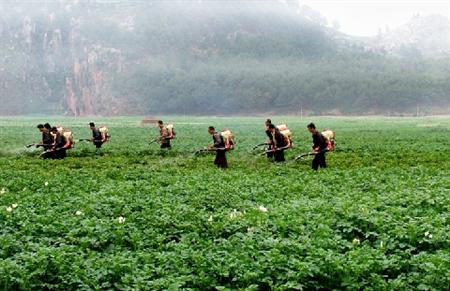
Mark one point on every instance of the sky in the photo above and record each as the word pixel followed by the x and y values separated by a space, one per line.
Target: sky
pixel 366 17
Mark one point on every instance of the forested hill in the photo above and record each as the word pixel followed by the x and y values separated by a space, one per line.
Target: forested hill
pixel 86 57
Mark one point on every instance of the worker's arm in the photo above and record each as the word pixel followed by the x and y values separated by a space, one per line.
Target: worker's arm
pixel 288 142
pixel 67 144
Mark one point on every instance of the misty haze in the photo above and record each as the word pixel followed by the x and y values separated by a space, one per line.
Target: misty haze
pixel 81 58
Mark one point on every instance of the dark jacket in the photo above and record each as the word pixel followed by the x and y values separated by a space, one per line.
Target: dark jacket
pixel 319 142
pixel 269 135
pixel 60 140
pixel 218 140
pixel 279 139
pixel 47 138
pixel 97 135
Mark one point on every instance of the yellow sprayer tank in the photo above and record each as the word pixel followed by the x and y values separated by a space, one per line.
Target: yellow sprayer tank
pixel 228 138
pixel 284 130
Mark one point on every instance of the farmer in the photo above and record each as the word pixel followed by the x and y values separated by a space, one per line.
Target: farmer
pixel 97 137
pixel 60 145
pixel 219 146
pixel 47 138
pixel 279 142
pixel 270 140
pixel 319 147
pixel 164 135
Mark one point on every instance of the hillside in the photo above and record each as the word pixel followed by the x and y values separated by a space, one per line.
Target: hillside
pixel 423 36
pixel 197 57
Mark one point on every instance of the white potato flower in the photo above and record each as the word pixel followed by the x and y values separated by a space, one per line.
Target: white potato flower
pixel 356 241
pixel 46 183
pixel 3 191
pixel 235 214
pixel 121 219
pixel 263 209
pixel 210 219
pixel 9 209
pixel 78 213
pixel 14 205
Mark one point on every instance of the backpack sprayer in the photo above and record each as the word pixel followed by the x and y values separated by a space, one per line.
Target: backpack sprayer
pixel 286 132
pixel 329 136
pixel 104 132
pixel 228 139
pixel 172 134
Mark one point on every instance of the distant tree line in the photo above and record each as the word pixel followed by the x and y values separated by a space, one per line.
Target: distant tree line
pixel 199 58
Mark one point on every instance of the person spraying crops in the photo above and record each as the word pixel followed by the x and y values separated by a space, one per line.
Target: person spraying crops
pixel 99 135
pixel 319 147
pixel 166 134
pixel 47 138
pixel 280 143
pixel 270 142
pixel 63 141
pixel 271 148
pixel 220 146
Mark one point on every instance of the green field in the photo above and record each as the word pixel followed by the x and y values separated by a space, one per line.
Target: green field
pixel 376 219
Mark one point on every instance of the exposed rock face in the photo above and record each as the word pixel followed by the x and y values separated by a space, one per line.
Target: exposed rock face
pixel 51 39
pixel 85 87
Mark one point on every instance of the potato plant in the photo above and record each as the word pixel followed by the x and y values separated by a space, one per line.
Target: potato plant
pixel 135 217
